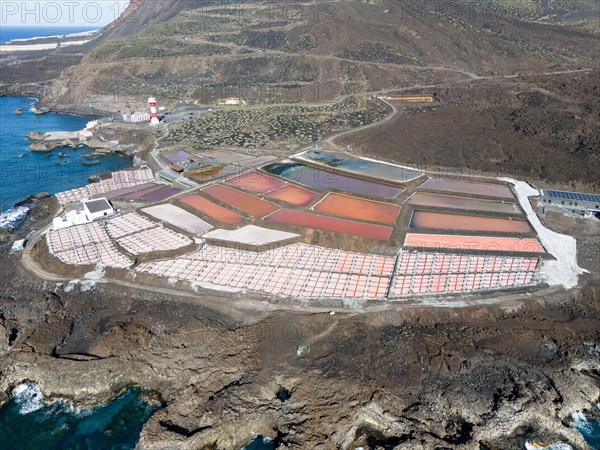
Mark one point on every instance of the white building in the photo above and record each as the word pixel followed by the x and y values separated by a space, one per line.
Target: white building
pixel 84 135
pixel 137 117
pixel 18 246
pixel 71 218
pixel 97 208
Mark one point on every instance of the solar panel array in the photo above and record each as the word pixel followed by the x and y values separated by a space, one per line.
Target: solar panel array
pixel 298 270
pixel 87 244
pixel 575 196
pixel 434 273
pixel 119 180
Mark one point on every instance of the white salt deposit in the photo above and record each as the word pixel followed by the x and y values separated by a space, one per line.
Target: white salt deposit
pixel 250 235
pixel 178 217
pixel 564 270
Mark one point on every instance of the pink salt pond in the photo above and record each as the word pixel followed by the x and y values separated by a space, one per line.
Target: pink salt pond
pixel 256 181
pixel 445 241
pixel 464 222
pixel 319 222
pixel 294 195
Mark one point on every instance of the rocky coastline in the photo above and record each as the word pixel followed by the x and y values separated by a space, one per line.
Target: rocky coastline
pixel 48 142
pixel 495 376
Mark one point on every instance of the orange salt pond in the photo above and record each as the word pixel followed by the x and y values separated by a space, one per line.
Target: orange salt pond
pixel 335 224
pixel 294 195
pixel 240 200
pixel 467 187
pixel 445 241
pixel 358 208
pixel 211 209
pixel 464 222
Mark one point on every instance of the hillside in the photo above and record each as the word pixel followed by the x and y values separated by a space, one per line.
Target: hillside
pixel 313 52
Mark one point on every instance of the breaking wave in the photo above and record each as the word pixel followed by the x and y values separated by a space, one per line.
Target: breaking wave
pixel 13 217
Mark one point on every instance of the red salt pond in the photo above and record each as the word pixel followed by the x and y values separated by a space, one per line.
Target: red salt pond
pixel 466 187
pixel 256 182
pixel 447 201
pixel 358 208
pixel 319 222
pixel 211 209
pixel 240 200
pixel 447 221
pixel 294 195
pixel 445 241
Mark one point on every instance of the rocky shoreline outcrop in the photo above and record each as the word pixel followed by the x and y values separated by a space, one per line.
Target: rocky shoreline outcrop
pixel 48 142
pixel 418 378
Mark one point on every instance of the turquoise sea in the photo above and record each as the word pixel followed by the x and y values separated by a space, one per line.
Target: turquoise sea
pixel 7 33
pixel 27 423
pixel 23 172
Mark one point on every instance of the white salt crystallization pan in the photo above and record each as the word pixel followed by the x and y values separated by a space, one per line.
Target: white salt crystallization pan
pixel 250 235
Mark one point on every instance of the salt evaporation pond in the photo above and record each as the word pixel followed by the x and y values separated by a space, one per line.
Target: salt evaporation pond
pixel 324 180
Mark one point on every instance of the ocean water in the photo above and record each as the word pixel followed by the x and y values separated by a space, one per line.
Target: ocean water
pixel 7 34
pixel 23 172
pixel 589 429
pixel 27 423
pixel 261 443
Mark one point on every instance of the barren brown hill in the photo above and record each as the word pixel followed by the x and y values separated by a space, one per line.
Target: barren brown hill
pixel 544 128
pixel 341 47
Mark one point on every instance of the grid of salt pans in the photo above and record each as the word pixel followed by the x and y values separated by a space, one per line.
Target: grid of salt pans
pixel 435 273
pixel 297 270
pixel 128 224
pixel 153 240
pixel 86 244
pixel 138 234
pixel 119 180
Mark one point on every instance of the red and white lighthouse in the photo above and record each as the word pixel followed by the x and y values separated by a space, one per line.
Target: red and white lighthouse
pixel 154 116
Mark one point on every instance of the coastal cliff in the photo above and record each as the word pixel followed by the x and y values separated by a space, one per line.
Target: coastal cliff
pixel 227 369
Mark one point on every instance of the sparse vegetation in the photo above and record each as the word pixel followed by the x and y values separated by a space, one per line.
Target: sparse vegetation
pixel 378 52
pixel 290 126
